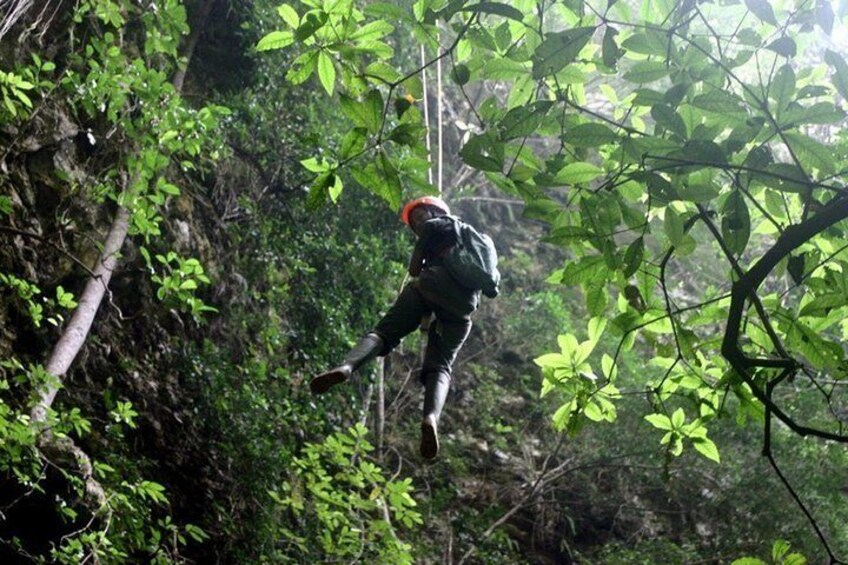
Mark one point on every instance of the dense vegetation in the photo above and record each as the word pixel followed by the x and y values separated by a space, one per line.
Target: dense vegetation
pixel 198 209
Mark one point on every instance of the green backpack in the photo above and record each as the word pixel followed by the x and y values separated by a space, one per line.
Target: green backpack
pixel 473 261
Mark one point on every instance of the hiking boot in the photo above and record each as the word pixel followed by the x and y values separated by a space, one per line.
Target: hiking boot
pixel 436 386
pixel 429 447
pixel 367 348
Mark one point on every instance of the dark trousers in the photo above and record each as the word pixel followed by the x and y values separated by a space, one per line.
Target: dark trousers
pixel 445 337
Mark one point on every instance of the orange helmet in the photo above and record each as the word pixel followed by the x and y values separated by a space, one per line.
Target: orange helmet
pixel 434 201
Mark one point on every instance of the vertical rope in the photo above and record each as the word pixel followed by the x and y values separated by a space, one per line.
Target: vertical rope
pixel 426 114
pixel 381 405
pixel 440 107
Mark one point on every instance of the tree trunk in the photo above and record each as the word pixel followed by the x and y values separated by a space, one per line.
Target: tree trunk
pixel 77 330
pixel 196 30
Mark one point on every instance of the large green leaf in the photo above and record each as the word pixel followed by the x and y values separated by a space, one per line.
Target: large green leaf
pixel 633 256
pixel 763 10
pixel 735 222
pixel 646 71
pixel 673 227
pixel 372 31
pixel 353 142
pixel 367 113
pixel 496 8
pixel 840 71
pixel 818 113
pixel 591 269
pixel 610 52
pixel 326 72
pixel 275 40
pixel 668 119
pixel 589 135
pixel 782 88
pixel 719 101
pixel 524 120
pixel 559 49
pixel 784 46
pixel 649 42
pixel 812 153
pixel 483 152
pixel 502 69
pixel 577 173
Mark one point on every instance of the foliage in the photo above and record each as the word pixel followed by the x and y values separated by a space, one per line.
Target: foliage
pixel 180 281
pixel 342 503
pixel 779 554
pixel 703 146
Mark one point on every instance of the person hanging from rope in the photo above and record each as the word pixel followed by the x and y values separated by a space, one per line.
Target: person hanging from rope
pixel 451 265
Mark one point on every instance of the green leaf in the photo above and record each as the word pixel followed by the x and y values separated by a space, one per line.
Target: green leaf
pixel 577 173
pixel 312 164
pixel 590 269
pixel 707 448
pixel 762 9
pixel 673 226
pixel 824 16
pixel 719 101
pixel 289 15
pixel 326 72
pixel 783 86
pixel 590 135
pixel 668 119
pixel 353 142
pixel 559 49
pixel 386 10
pixel 392 189
pixel 783 46
pixel 553 360
pixel 660 421
pixel 502 69
pixel 840 72
pixel 372 31
pixel 407 134
pixel 275 40
pixel 735 222
pixel 633 256
pixel 302 67
pixel 819 113
pixel 593 412
pixel 649 43
pixel 610 52
pixel 383 71
pixel 699 192
pixel 335 187
pixel 703 151
pixel 311 23
pixel 318 191
pixel 596 329
pixel 523 120
pixel 677 418
pixel 779 549
pixel 367 113
pixel 483 152
pixel 497 9
pixel 812 153
pixel 6 205
pixel 646 71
